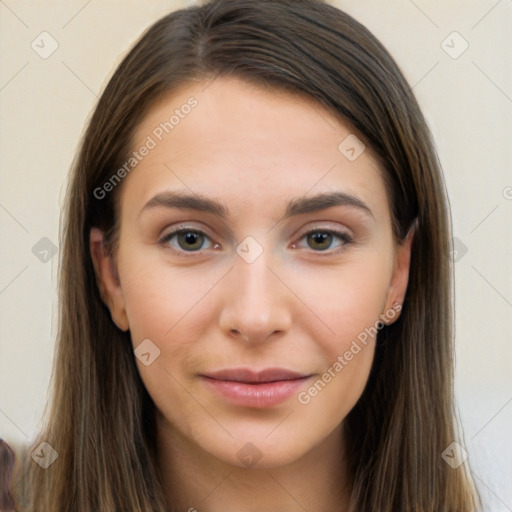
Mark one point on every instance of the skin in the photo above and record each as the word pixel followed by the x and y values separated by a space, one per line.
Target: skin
pixel 296 306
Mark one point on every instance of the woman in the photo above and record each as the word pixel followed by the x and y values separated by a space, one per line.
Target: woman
pixel 255 280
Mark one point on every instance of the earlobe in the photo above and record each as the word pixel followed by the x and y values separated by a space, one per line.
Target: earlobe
pixel 107 279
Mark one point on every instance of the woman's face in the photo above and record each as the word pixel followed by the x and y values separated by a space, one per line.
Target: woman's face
pixel 282 270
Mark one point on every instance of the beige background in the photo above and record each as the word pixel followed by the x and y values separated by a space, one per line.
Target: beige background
pixel 468 103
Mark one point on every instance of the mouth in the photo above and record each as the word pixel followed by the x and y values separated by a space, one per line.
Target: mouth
pixel 249 376
pixel 251 388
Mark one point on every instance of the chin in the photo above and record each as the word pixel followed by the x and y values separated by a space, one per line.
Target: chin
pixel 259 451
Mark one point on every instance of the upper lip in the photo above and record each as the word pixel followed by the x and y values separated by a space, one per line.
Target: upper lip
pixel 255 376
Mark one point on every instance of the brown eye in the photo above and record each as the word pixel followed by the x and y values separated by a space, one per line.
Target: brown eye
pixel 321 240
pixel 188 240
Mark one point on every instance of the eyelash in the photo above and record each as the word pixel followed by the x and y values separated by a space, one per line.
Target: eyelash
pixel 343 236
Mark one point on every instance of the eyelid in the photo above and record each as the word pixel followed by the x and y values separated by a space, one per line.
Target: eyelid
pixel 184 227
pixel 326 228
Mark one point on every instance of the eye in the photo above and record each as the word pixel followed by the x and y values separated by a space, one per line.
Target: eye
pixel 187 240
pixel 321 239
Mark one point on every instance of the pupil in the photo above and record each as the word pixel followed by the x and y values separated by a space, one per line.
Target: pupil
pixel 320 238
pixel 190 238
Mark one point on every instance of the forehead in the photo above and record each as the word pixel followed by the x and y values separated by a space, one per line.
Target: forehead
pixel 239 142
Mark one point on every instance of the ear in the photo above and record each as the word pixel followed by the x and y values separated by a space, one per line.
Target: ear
pixel 399 279
pixel 107 279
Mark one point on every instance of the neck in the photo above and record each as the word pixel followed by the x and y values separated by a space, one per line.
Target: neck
pixel 195 480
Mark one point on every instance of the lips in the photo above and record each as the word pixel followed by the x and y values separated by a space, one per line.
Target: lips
pixel 256 389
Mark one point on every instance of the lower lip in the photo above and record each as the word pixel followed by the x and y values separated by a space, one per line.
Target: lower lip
pixel 260 396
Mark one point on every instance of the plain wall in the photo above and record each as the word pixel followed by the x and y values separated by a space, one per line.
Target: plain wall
pixel 467 100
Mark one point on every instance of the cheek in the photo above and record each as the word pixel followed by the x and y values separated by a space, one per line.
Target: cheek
pixel 170 307
pixel 160 298
pixel 349 303
pixel 346 299
pixel 332 395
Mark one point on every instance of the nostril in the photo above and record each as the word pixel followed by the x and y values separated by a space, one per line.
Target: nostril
pixel 236 332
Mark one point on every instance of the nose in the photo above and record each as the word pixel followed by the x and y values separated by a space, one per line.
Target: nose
pixel 257 305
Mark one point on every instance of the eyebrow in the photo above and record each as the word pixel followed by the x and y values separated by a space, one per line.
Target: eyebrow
pixel 297 206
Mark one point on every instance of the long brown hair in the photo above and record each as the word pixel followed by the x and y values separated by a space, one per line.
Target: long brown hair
pixel 100 419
